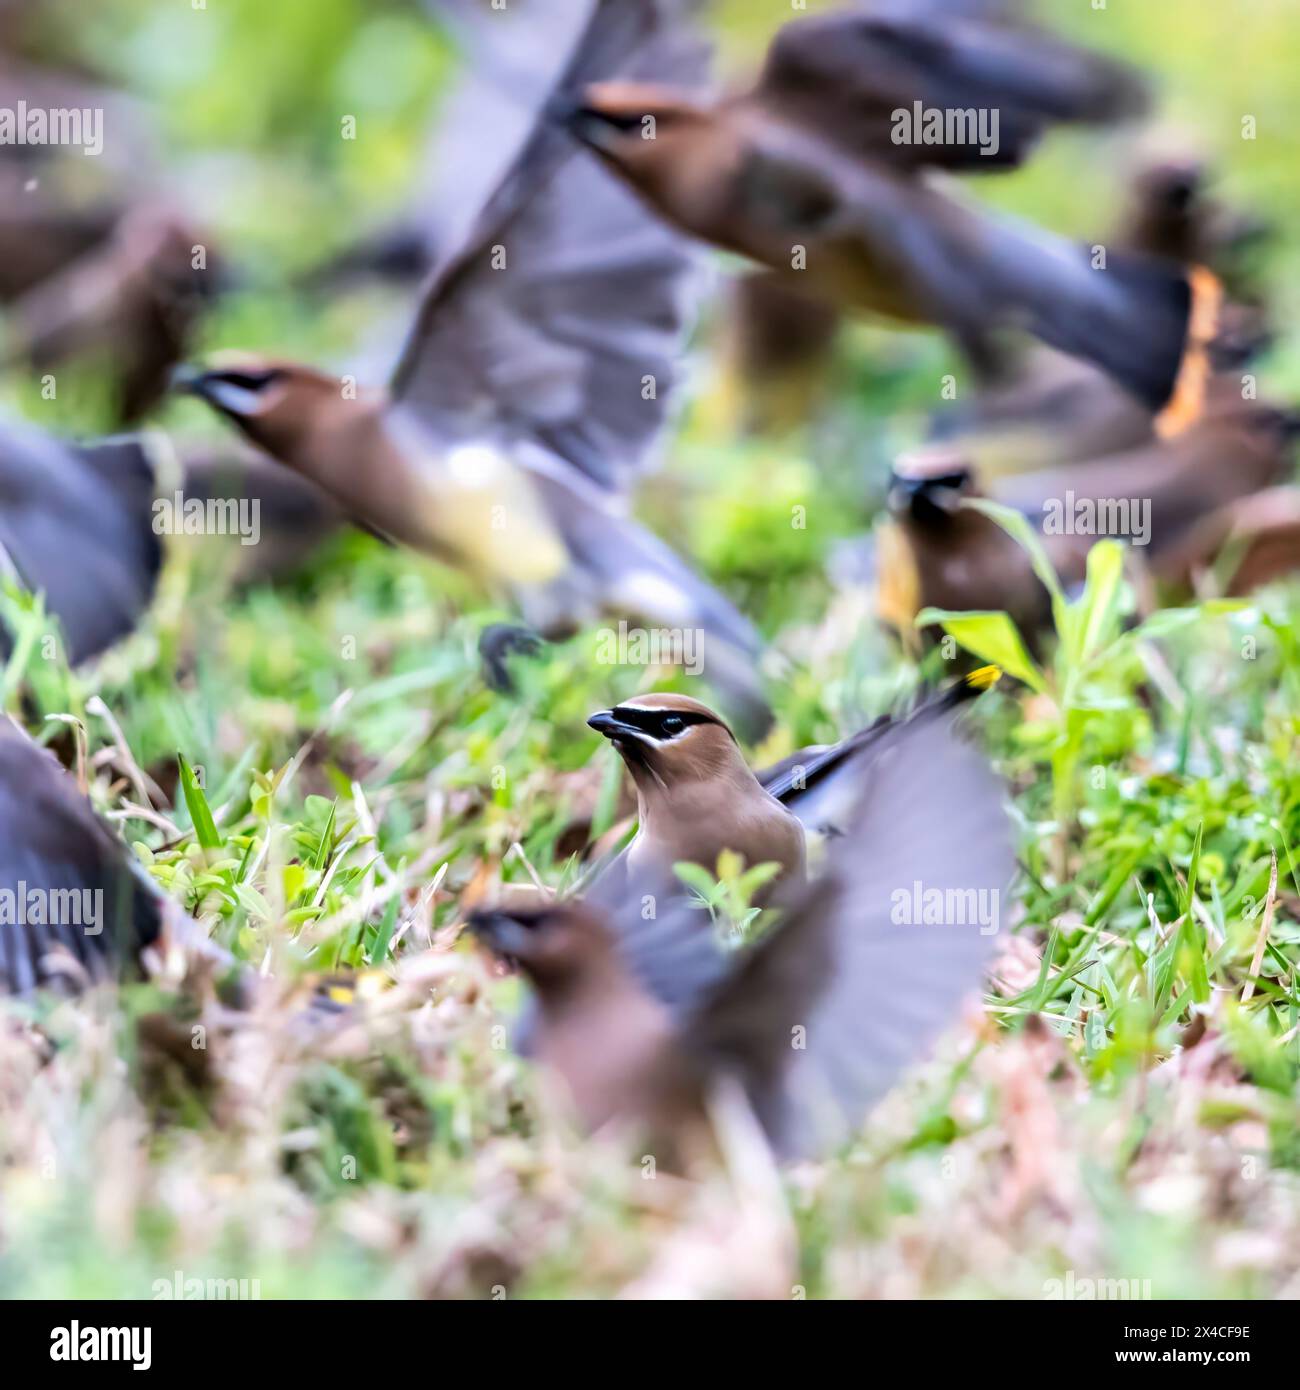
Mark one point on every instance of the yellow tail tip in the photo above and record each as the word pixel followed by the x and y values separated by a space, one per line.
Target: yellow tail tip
pixel 1184 405
pixel 984 677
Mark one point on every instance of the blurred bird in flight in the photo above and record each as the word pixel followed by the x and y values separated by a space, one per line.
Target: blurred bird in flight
pixel 805 173
pixel 535 384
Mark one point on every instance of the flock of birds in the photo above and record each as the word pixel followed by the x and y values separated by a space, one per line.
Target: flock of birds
pixel 585 168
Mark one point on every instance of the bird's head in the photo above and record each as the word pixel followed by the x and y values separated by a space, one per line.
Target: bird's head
pixel 1170 186
pixel 667 740
pixel 650 134
pixel 552 944
pixel 930 487
pixel 276 404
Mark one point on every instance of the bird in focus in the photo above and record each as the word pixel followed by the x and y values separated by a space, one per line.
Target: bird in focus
pixel 698 798
pixel 642 1014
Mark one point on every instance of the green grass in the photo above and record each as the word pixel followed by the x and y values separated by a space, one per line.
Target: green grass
pixel 1124 1108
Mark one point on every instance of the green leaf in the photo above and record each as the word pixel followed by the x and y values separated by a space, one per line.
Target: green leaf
pixel 379 951
pixel 1021 530
pixel 326 845
pixel 698 878
pixel 253 902
pixel 991 636
pixel 1094 614
pixel 205 828
pixel 1168 620
pixel 753 879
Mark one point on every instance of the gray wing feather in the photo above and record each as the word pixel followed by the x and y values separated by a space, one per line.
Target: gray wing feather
pixel 76 525
pixel 595 294
pixel 51 841
pixel 871 993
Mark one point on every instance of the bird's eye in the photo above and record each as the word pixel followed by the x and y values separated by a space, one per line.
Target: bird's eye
pixel 673 724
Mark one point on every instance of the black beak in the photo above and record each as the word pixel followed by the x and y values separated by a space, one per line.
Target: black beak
pixel 933 493
pixel 499 933
pixel 588 124
pixel 188 380
pixel 606 722
pixel 564 109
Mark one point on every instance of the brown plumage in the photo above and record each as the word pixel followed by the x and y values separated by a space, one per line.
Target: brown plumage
pixel 1173 214
pixel 802 174
pixel 1178 495
pixel 41 235
pixel 696 795
pixel 643 1014
pixel 1237 549
pixel 1239 446
pixel 935 552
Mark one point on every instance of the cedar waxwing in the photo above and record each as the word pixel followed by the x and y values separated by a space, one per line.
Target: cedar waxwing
pixel 697 797
pixel 76 524
pixel 803 174
pixel 75 906
pixel 1172 214
pixel 533 387
pixel 934 552
pixel 1174 495
pixel 643 1014
pixel 695 793
pixel 130 306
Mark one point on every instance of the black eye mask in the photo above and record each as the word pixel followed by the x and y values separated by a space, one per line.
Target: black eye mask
pixel 661 724
pixel 250 381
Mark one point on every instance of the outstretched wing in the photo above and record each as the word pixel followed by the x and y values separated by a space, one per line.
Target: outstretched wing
pixel 76 524
pixel 820 1017
pixel 68 887
pixel 560 310
pixel 849 72
pixel 822 786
